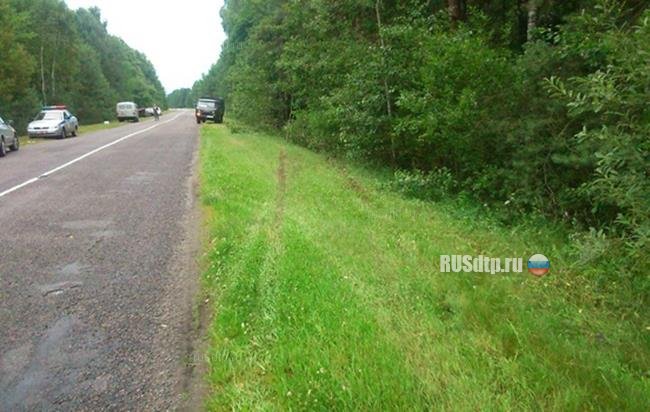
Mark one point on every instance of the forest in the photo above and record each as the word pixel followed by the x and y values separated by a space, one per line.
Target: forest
pixel 529 107
pixel 182 98
pixel 50 54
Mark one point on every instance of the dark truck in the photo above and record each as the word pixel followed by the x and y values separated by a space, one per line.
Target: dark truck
pixel 210 108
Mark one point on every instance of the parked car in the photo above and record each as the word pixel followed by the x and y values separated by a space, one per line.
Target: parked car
pixel 210 108
pixel 8 138
pixel 53 121
pixel 127 111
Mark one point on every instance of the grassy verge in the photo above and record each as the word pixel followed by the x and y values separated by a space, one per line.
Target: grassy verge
pixel 90 128
pixel 329 296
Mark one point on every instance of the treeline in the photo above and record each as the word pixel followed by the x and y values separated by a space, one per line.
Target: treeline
pixel 181 98
pixel 536 106
pixel 187 97
pixel 50 54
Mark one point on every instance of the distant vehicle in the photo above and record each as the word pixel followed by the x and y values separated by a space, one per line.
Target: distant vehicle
pixel 145 111
pixel 8 138
pixel 127 111
pixel 53 121
pixel 210 108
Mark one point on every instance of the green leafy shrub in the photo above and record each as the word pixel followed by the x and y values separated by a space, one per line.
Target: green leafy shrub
pixel 611 104
pixel 432 185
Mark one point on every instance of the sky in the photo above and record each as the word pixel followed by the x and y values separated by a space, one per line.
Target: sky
pixel 181 38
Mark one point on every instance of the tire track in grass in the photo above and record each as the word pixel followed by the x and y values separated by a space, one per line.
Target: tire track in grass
pixel 289 332
pixel 281 176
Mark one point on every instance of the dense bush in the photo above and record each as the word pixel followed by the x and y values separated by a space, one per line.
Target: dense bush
pixel 433 185
pixel 610 105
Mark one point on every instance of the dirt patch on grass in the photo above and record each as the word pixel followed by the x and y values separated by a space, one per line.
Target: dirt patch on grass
pixel 353 184
pixel 350 182
pixel 357 187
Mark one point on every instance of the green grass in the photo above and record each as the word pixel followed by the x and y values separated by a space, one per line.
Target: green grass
pixel 329 297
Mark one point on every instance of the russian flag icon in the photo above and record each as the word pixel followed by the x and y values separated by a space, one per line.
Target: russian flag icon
pixel 538 265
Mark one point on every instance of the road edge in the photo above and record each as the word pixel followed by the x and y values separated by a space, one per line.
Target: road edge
pixel 194 387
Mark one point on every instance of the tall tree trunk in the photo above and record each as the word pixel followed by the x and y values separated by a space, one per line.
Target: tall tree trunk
pixel 43 76
pixel 457 11
pixel 389 104
pixel 532 18
pixel 53 76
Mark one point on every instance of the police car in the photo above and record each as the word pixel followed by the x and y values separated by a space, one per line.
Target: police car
pixel 53 121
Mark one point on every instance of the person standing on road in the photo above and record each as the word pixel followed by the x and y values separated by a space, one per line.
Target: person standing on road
pixel 156 112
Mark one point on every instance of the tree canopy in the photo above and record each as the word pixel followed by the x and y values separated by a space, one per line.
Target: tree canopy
pixel 51 55
pixel 181 98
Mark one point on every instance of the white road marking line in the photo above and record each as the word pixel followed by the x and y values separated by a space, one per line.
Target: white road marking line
pixel 92 152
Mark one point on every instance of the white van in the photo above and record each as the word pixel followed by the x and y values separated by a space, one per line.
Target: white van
pixel 127 111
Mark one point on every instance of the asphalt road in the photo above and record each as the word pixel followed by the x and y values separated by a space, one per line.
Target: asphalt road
pixel 97 279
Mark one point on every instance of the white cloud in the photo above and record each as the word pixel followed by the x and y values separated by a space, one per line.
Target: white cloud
pixel 181 38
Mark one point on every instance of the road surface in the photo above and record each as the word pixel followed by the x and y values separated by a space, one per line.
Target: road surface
pixel 96 275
